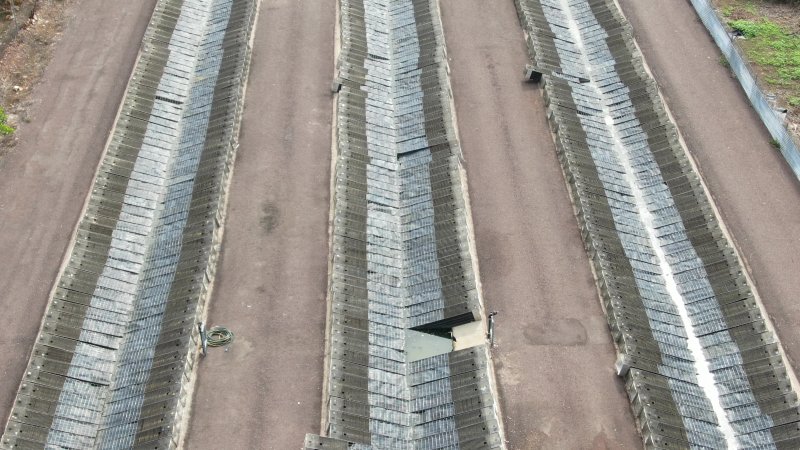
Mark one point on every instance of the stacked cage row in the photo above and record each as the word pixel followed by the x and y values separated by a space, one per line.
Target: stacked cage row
pixel 114 359
pixel 610 128
pixel 400 244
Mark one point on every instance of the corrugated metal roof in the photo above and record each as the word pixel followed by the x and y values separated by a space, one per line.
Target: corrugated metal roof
pixel 111 364
pixel 400 244
pixel 705 370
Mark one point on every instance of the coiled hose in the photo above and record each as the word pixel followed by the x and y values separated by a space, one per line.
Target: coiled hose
pixel 219 336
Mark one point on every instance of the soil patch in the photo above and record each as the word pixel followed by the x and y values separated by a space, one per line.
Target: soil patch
pixel 25 49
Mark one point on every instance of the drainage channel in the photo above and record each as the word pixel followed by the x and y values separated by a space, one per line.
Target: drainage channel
pixel 403 282
pixel 113 361
pixel 702 369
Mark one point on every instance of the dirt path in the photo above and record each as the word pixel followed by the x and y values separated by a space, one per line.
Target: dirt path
pixel 45 178
pixel 24 54
pixel 265 391
pixel 554 356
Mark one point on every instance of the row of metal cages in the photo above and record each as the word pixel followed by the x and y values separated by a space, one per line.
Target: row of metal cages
pixel 144 255
pixel 452 388
pixel 665 402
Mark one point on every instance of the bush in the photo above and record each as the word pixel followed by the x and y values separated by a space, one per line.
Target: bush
pixel 4 127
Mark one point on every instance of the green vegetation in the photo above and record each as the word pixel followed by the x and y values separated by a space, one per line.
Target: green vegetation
pixel 794 101
pixel 770 45
pixel 4 127
pixel 751 29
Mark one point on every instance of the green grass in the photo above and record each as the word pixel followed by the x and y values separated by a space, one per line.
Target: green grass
pixel 770 45
pixel 4 127
pixel 751 29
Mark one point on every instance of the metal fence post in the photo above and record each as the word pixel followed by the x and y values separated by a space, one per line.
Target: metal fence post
pixel 491 328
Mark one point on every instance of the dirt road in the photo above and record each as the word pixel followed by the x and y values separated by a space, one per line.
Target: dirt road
pixel 554 356
pixel 758 196
pixel 265 391
pixel 45 178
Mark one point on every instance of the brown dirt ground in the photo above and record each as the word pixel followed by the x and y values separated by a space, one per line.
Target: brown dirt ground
pixel 23 60
pixel 264 391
